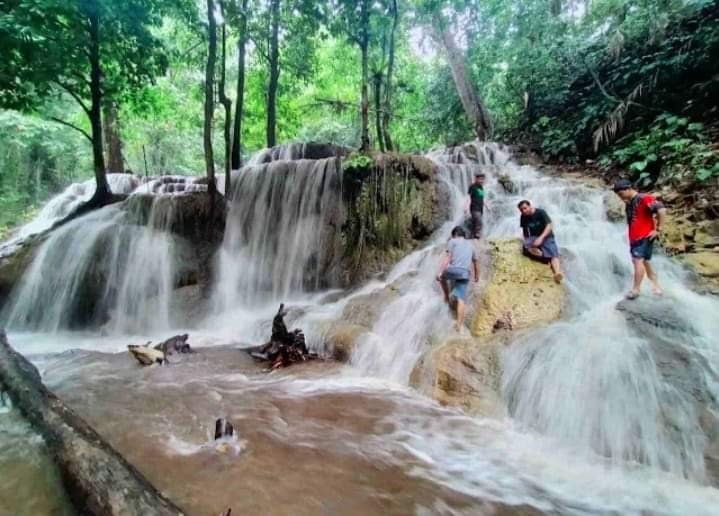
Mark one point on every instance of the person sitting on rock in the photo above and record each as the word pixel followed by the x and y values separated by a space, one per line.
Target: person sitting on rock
pixel 645 215
pixel 454 272
pixel 539 242
pixel 475 204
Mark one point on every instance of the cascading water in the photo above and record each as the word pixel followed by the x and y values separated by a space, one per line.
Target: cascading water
pixel 280 238
pixel 603 419
pixel 64 203
pixel 101 269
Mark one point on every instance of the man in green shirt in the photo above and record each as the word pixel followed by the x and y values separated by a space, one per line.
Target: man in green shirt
pixel 475 204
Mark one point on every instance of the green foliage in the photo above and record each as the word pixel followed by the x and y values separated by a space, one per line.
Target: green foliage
pixel 671 146
pixel 357 160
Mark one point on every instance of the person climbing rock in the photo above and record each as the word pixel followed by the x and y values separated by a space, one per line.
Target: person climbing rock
pixel 458 262
pixel 645 216
pixel 475 204
pixel 539 242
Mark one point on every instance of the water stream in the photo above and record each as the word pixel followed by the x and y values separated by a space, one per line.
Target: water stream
pixel 600 421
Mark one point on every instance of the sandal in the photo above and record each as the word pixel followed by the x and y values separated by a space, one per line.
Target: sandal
pixel 631 295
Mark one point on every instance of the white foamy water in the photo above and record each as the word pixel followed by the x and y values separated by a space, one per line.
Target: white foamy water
pixel 598 421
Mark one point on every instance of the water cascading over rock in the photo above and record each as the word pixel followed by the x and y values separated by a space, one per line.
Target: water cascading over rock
pixel 115 268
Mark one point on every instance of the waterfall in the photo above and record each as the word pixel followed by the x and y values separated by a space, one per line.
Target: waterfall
pixel 73 196
pixel 100 269
pixel 418 319
pixel 281 229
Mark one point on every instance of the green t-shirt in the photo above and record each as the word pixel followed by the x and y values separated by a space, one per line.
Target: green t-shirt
pixel 476 197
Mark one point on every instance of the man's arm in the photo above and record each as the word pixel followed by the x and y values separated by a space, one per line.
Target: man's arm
pixel 660 217
pixel 540 239
pixel 475 266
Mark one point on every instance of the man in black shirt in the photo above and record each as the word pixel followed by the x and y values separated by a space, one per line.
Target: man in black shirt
pixel 476 203
pixel 539 242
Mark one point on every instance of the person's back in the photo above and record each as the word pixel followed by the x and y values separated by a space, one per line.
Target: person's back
pixel 461 254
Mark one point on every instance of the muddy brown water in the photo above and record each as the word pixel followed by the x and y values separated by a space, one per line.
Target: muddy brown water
pixel 297 450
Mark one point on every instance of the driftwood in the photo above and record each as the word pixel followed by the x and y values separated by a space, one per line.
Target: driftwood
pixel 285 347
pixel 98 479
pixel 148 355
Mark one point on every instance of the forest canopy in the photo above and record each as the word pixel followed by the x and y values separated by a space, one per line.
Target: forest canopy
pixel 91 87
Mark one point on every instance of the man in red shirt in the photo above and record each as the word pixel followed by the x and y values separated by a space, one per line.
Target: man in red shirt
pixel 645 216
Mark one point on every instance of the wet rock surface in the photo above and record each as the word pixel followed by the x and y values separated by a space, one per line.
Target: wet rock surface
pixel 520 292
pixel 462 372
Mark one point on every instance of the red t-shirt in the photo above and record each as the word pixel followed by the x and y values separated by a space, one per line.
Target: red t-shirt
pixel 640 216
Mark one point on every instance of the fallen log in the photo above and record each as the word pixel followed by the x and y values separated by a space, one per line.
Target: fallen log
pixel 98 479
pixel 285 347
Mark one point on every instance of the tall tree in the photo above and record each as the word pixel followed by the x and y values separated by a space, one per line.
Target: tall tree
pixel 274 72
pixel 210 96
pixel 236 158
pixel 387 103
pixel 353 18
pixel 89 50
pixel 225 101
pixel 113 140
pixel 471 101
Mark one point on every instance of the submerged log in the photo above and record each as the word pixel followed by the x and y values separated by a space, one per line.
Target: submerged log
pixel 97 478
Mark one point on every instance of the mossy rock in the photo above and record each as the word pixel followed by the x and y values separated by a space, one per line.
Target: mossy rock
pixel 520 293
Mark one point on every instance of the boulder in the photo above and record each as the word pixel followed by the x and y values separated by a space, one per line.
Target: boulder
pixel 506 183
pixel 341 340
pixel 705 263
pixel 462 372
pixel 359 315
pixel 520 293
pixel 614 207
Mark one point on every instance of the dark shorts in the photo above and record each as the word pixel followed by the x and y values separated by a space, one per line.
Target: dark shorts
pixel 457 285
pixel 642 248
pixel 548 248
pixel 476 224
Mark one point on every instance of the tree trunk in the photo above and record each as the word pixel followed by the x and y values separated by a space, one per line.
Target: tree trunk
pixel 471 101
pixel 377 79
pixel 102 191
pixel 387 113
pixel 227 104
pixel 113 141
pixel 364 45
pixel 209 98
pixel 97 478
pixel 274 74
pixel 239 106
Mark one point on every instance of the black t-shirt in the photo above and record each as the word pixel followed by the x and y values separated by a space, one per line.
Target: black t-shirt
pixel 476 197
pixel 535 223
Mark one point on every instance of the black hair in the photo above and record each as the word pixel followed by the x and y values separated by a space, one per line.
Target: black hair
pixel 523 202
pixel 458 231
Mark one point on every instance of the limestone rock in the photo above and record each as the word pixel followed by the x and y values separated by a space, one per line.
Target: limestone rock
pixel 614 207
pixel 520 293
pixel 705 263
pixel 464 373
pixel 341 340
pixel 507 184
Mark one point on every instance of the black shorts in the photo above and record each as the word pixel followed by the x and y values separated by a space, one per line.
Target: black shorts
pixel 642 248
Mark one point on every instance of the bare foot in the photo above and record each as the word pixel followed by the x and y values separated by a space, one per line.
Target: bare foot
pixel 657 290
pixel 558 277
pixel 632 294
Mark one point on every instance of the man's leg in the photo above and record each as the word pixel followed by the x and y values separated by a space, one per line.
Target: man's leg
pixel 556 269
pixel 445 289
pixel 476 224
pixel 460 314
pixel 639 272
pixel 653 278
